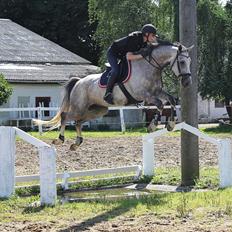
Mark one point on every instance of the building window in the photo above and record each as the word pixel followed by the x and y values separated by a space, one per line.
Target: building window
pixel 23 101
pixel 219 104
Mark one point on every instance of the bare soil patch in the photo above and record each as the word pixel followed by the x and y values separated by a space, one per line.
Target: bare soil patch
pixel 109 152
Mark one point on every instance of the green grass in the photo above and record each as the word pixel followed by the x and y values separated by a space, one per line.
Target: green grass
pixel 209 177
pixel 219 131
pixel 194 204
pixel 92 134
pixel 176 205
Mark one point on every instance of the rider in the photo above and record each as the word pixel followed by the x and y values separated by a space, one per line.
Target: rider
pixel 129 46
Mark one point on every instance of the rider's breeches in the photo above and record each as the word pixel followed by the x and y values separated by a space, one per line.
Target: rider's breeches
pixel 113 60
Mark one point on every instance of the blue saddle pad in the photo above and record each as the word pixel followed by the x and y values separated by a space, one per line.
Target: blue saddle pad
pixel 124 76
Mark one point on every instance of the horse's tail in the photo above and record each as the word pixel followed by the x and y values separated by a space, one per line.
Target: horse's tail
pixel 56 120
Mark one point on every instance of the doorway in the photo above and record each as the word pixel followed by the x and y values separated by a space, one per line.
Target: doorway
pixel 44 102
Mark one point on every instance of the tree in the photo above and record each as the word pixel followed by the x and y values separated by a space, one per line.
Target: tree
pixel 215 46
pixel 64 22
pixel 5 90
pixel 116 19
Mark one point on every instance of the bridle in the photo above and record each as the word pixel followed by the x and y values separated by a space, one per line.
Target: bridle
pixel 161 67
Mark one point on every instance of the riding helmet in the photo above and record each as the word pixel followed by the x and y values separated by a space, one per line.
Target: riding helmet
pixel 148 28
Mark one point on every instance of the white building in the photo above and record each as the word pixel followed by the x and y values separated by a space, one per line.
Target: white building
pixel 35 67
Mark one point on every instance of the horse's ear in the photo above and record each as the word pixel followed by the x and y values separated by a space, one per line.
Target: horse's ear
pixel 180 48
pixel 190 48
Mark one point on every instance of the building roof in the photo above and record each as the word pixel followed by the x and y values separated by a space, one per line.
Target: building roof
pixel 28 57
pixel 44 73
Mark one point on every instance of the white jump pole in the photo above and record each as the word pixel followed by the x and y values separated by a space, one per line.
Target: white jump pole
pixel 7 161
pixel 48 192
pixel 225 163
pixel 148 156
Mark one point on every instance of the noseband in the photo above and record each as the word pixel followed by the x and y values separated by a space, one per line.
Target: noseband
pixel 178 54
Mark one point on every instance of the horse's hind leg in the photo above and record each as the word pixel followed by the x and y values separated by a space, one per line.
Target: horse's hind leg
pixel 79 138
pixel 93 112
pixel 65 117
pixel 60 139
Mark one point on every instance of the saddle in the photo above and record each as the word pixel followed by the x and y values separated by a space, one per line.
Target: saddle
pixel 124 73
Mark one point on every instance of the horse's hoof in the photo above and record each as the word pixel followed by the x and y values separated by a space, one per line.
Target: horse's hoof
pixel 170 126
pixel 57 142
pixel 73 147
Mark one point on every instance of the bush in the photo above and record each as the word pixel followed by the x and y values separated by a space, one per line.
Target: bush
pixel 5 90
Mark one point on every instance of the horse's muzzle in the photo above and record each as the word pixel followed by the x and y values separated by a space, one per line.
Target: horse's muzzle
pixel 186 80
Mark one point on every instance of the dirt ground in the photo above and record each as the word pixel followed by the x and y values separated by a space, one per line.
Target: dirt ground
pixel 145 223
pixel 109 152
pixel 115 152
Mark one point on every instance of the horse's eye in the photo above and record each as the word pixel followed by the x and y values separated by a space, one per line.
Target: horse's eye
pixel 182 62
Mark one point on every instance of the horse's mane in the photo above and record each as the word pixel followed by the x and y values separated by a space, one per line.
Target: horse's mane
pixel 165 43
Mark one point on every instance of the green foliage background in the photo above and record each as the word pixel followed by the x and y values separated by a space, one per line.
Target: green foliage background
pixel 5 90
pixel 88 27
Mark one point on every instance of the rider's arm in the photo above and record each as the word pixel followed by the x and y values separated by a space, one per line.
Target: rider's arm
pixel 132 56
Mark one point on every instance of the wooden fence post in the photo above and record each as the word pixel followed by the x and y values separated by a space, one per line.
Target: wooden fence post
pixel 48 192
pixel 225 163
pixel 148 156
pixel 7 161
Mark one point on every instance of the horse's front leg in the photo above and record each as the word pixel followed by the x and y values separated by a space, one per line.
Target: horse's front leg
pixel 155 121
pixel 170 124
pixel 168 97
pixel 152 100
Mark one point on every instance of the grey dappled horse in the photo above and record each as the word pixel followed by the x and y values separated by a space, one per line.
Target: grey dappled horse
pixel 83 99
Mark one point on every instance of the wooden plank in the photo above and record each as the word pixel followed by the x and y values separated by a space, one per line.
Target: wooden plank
pixel 30 139
pixel 135 168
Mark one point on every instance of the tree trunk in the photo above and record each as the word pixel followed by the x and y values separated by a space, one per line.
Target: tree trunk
pixel 229 109
pixel 189 97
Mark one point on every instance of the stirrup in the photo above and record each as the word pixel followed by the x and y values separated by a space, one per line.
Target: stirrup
pixel 109 98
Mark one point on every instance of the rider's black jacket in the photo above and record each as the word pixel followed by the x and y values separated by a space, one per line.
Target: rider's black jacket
pixel 131 43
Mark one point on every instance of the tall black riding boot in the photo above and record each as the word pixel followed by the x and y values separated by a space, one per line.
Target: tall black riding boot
pixel 110 85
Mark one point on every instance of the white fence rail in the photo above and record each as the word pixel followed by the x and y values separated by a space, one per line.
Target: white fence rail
pixel 40 112
pixel 223 145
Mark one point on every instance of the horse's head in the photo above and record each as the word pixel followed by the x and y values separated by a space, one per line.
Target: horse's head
pixel 180 65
